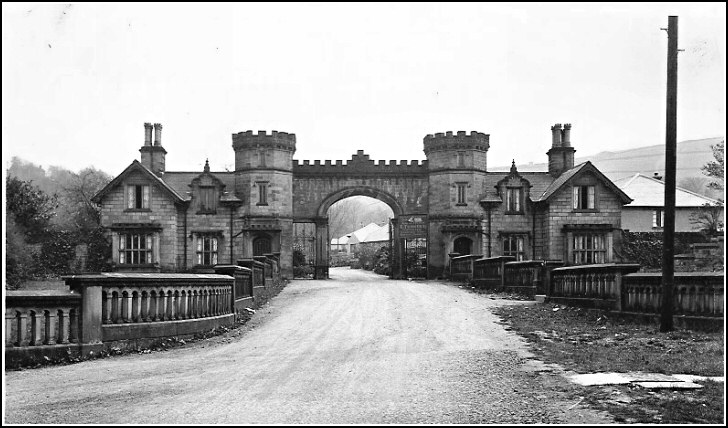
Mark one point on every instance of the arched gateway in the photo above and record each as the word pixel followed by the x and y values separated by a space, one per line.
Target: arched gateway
pixel 187 220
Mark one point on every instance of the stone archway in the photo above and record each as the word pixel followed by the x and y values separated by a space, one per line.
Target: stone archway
pixel 371 192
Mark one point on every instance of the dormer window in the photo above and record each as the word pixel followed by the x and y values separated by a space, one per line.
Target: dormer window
pixel 137 197
pixel 514 200
pixel 208 199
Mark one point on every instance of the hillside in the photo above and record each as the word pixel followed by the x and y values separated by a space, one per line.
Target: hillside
pixel 691 156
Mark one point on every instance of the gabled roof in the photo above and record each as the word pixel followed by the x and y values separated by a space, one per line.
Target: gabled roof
pixel 650 192
pixel 180 181
pixel 136 166
pixel 566 176
pixel 377 235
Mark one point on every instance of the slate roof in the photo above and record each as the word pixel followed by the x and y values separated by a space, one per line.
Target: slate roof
pixel 650 192
pixel 180 182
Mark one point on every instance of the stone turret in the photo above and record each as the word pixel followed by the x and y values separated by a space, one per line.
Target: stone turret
pixel 457 151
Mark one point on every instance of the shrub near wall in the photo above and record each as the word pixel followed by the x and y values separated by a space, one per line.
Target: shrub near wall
pixel 645 248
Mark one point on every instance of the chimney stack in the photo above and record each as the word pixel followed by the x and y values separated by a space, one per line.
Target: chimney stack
pixel 153 156
pixel 561 155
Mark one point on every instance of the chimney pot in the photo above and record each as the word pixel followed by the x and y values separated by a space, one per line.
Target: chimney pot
pixel 157 134
pixel 566 135
pixel 556 135
pixel 147 134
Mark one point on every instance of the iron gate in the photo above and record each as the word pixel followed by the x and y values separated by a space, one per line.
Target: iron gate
pixel 304 250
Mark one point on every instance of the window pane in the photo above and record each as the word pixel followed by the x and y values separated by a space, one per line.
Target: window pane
pixel 590 203
pixel 130 197
pixel 576 197
pixel 145 197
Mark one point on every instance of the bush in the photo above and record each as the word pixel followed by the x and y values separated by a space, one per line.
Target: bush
pixel 645 248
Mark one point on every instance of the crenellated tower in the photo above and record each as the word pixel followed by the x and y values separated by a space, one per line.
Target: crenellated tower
pixel 457 167
pixel 264 181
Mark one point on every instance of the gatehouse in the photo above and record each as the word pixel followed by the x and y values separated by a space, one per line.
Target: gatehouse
pixel 446 205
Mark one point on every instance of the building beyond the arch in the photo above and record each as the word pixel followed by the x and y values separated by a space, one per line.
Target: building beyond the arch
pixel 161 220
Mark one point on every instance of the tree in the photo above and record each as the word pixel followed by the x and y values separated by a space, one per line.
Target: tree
pixel 716 169
pixel 30 208
pixel 708 218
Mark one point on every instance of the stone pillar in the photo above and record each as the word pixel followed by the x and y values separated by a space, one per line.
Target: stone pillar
pixel 322 248
pixel 23 338
pixel 397 250
pixel 9 322
pixel 109 307
pixel 91 314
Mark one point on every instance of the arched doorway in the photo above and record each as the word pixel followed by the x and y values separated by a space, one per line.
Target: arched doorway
pixel 463 246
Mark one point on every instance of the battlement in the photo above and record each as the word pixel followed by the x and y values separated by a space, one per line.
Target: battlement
pixel 460 141
pixel 278 140
pixel 360 164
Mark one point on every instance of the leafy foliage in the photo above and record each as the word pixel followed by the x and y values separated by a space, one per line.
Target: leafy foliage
pixel 645 248
pixel 716 169
pixel 707 218
pixel 31 208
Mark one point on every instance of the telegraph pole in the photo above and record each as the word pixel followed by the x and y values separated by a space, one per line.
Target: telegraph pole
pixel 668 243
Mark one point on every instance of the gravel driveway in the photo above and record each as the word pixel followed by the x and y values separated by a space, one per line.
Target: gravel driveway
pixel 354 349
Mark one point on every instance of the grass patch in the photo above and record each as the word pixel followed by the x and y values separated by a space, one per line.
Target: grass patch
pixel 591 341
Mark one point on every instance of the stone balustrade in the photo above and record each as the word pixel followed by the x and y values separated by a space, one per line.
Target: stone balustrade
pixel 529 277
pixel 462 267
pixel 489 273
pixel 37 318
pixel 698 294
pixel 129 303
pixel 131 309
pixel 596 286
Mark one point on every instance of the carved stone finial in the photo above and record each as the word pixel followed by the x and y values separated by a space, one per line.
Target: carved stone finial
pixel 207 166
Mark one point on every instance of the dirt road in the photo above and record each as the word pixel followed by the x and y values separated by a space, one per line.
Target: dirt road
pixel 354 349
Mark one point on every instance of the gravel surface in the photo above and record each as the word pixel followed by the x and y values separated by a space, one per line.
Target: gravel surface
pixel 351 350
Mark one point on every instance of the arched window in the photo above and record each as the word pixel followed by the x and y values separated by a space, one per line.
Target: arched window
pixel 261 246
pixel 463 246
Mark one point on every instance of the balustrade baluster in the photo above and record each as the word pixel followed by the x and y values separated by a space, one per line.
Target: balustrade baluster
pixel 36 321
pixel 136 309
pixel 63 327
pixel 50 327
pixel 144 307
pixel 169 315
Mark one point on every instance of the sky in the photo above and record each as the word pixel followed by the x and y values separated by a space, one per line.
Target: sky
pixel 80 80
